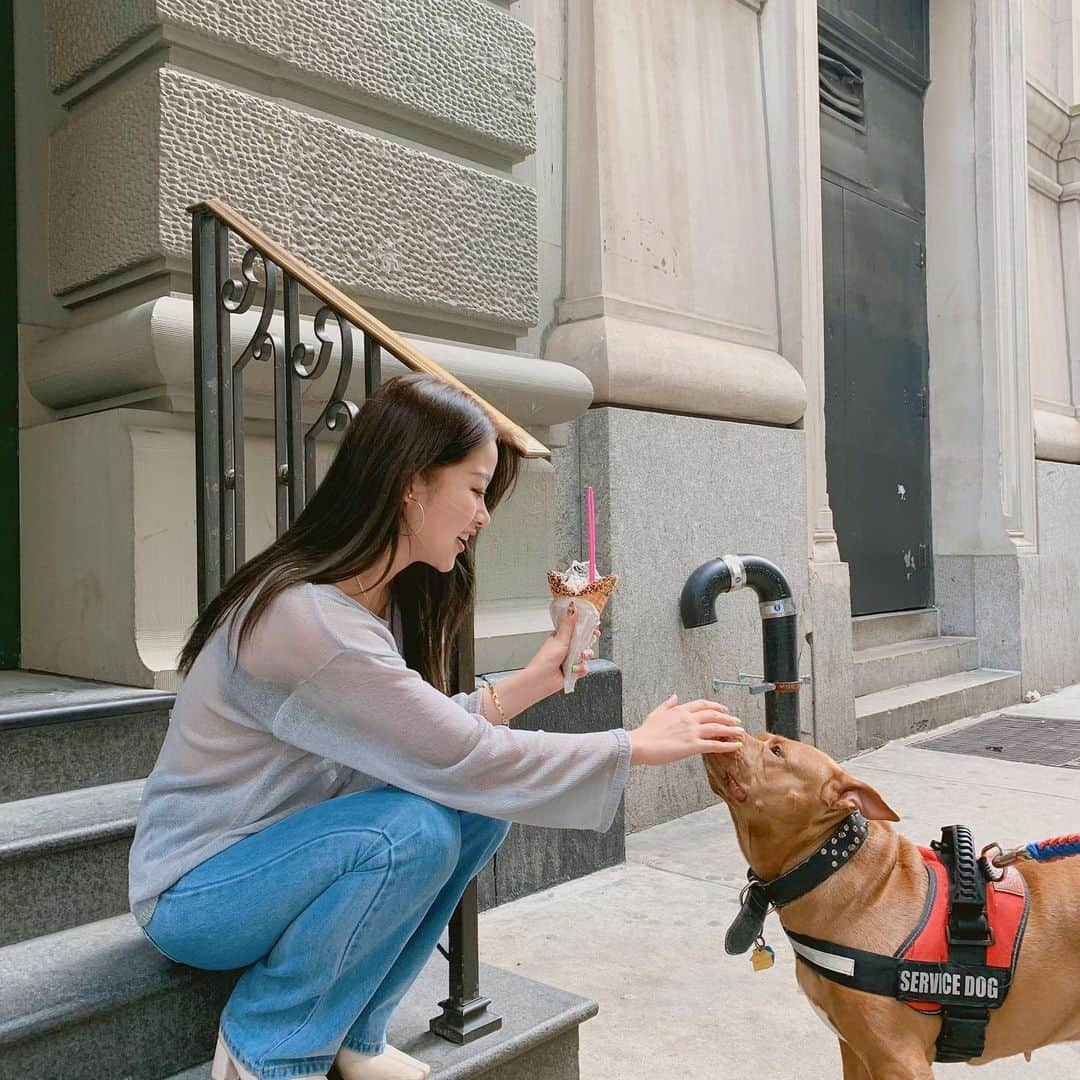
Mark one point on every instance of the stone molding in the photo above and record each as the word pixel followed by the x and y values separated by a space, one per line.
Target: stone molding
pixel 1057 433
pixel 428 233
pixel 653 367
pixel 1047 120
pixel 1053 129
pixel 463 67
pixel 146 353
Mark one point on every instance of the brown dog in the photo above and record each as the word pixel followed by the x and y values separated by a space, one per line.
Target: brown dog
pixel 785 797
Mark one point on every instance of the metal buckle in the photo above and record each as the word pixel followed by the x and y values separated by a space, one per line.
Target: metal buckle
pixel 962 941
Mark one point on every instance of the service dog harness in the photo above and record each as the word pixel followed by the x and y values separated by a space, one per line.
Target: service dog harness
pixel 957 962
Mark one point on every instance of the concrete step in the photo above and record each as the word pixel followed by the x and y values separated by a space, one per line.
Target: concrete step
pixel 58 733
pixel 868 631
pixel 63 858
pixel 99 1001
pixel 903 710
pixel 903 662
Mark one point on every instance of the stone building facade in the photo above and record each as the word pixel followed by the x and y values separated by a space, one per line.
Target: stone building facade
pixel 606 217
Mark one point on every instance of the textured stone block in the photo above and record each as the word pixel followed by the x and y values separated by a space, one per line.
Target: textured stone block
pixel 462 66
pixel 379 219
pixel 82 35
pixel 672 492
pixel 41 760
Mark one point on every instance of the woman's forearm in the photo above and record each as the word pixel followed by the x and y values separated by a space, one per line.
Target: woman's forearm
pixel 517 692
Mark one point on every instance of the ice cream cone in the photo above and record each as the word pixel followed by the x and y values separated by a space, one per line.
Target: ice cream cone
pixel 597 593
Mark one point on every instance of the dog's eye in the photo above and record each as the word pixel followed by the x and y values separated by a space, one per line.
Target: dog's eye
pixel 776 751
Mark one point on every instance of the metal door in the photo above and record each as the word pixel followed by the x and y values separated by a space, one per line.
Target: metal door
pixel 876 359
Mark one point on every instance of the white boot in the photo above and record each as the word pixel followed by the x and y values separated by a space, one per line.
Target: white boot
pixel 226 1068
pixel 391 1064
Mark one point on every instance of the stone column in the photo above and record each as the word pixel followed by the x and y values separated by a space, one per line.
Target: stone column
pixel 982 452
pixel 693 303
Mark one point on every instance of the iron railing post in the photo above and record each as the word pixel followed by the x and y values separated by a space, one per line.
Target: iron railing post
pixel 465 1014
pixel 206 286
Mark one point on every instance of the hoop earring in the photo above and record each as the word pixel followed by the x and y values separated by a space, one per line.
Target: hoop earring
pixel 423 518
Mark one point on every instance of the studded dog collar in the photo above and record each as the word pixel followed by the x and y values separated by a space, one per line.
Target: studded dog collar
pixel 760 895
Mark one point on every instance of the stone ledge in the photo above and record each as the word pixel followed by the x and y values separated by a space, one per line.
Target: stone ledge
pixel 666 370
pixel 1057 436
pixel 460 66
pixel 382 220
pixel 145 353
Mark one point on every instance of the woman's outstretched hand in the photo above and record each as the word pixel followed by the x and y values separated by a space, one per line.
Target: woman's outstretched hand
pixel 672 732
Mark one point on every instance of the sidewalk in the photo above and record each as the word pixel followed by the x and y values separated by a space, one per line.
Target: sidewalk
pixel 645 939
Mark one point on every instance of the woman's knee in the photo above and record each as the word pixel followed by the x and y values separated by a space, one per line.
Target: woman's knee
pixel 481 831
pixel 433 837
pixel 480 839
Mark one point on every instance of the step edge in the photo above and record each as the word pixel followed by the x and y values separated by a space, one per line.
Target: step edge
pixel 571 1017
pixel 993 676
pixel 155 701
pixel 931 644
pixel 40 1022
pixel 53 843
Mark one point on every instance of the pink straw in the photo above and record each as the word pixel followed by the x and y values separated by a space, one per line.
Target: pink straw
pixel 591 502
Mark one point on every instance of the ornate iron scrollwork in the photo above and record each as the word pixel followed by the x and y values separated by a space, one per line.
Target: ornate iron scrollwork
pixel 338 409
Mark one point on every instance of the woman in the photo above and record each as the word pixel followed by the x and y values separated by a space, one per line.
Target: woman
pixel 319 803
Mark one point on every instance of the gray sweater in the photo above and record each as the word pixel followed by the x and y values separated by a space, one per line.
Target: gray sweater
pixel 321 705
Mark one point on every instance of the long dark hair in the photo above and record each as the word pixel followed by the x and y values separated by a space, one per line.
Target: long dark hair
pixel 410 426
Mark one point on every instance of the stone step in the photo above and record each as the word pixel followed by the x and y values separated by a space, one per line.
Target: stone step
pixel 868 631
pixel 58 733
pixel 99 1001
pixel 899 663
pixel 63 858
pixel 903 710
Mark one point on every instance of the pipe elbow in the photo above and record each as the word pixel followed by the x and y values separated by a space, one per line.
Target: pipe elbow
pixel 697 604
pixel 765 578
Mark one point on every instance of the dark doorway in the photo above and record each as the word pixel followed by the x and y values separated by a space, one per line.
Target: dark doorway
pixel 874 64
pixel 9 358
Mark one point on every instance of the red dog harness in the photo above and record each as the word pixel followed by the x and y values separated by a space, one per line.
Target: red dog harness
pixel 1006 911
pixel 960 958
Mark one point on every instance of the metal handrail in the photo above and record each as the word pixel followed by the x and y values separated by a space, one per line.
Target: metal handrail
pixel 219 458
pixel 362 319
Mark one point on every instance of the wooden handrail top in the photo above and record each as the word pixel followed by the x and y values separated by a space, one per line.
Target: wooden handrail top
pixel 363 320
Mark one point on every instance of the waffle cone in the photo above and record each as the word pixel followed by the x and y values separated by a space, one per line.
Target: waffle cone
pixel 598 593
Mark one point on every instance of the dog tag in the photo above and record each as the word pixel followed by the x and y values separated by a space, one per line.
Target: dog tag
pixel 762 957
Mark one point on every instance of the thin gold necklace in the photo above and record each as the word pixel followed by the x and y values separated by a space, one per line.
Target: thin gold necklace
pixel 364 591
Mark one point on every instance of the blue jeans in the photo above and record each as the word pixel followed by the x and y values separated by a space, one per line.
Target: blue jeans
pixel 336 909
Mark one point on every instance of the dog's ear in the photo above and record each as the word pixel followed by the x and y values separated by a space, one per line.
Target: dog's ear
pixel 859 795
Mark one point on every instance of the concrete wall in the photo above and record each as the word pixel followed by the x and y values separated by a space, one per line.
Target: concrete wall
pixel 674 492
pixel 1047 583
